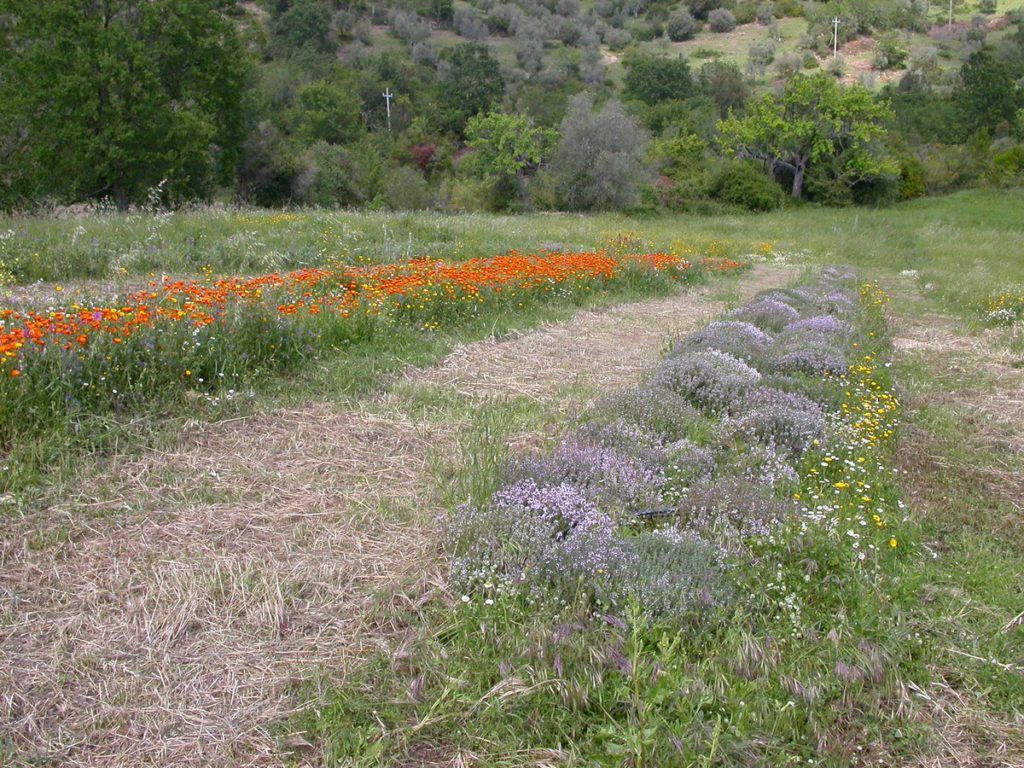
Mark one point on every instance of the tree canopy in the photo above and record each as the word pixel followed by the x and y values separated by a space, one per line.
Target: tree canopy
pixel 114 98
pixel 815 118
pixel 506 149
pixel 471 82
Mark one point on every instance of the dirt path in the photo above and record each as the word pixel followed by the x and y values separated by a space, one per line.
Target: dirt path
pixel 160 616
pixel 979 379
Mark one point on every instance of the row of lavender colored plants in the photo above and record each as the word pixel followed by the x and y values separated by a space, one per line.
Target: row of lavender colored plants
pixel 660 491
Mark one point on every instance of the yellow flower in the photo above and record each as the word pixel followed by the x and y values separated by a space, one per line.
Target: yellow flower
pixel 893 543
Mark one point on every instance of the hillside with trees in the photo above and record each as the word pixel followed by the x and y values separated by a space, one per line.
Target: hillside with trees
pixel 703 105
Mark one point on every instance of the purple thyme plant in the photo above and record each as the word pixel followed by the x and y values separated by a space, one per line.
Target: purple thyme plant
pixel 710 379
pixel 743 340
pixel 785 420
pixel 610 477
pixel 728 511
pixel 657 410
pixel 767 313
pixel 819 325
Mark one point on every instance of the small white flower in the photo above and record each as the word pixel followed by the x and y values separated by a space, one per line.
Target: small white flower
pixel 465 598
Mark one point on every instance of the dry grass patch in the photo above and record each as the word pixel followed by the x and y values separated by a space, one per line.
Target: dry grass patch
pixel 963 472
pixel 599 351
pixel 172 636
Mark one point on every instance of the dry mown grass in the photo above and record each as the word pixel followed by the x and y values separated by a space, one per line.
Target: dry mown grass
pixel 982 381
pixel 182 596
pixel 170 636
pixel 600 350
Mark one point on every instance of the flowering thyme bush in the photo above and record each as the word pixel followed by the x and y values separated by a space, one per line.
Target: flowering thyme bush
pixel 785 420
pixel 805 354
pixel 713 460
pixel 625 436
pixel 527 526
pixel 743 340
pixel 768 314
pixel 819 325
pixel 608 476
pixel 658 410
pixel 729 511
pixel 710 379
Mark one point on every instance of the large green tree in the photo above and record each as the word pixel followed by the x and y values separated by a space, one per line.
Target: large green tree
pixel 112 98
pixel 655 79
pixel 989 93
pixel 507 148
pixel 470 83
pixel 815 119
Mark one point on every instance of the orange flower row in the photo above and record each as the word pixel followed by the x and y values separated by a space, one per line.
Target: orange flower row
pixel 344 290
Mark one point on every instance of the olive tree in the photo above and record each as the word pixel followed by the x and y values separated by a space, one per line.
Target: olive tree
pixel 599 161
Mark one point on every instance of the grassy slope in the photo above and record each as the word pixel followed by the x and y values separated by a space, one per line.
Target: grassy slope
pixel 966 245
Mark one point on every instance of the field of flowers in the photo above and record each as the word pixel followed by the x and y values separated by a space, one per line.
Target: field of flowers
pixel 753 431
pixel 698 572
pixel 209 334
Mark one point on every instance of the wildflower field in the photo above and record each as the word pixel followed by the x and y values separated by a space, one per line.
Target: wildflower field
pixel 643 493
pixel 633 581
pixel 222 334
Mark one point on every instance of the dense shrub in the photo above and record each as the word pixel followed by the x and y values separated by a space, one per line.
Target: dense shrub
pixel 658 411
pixel 656 79
pixel 891 52
pixel 729 511
pixel 1008 167
pixel 701 8
pixel 709 379
pixel 608 476
pixel 767 313
pixel 407 190
pixel 745 12
pixel 824 186
pixel 759 56
pixel 740 339
pixel 680 25
pixel 788 64
pixel 746 185
pixel 721 20
pixel 783 420
pixel 332 175
pixel 306 25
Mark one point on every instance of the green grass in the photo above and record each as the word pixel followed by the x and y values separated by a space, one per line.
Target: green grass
pixel 884 668
pixel 505 683
pixel 965 245
pixel 733 46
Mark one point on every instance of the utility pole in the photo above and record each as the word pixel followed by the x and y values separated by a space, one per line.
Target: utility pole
pixel 950 23
pixel 835 43
pixel 388 96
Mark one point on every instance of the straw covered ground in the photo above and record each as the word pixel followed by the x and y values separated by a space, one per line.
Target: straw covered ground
pixel 162 613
